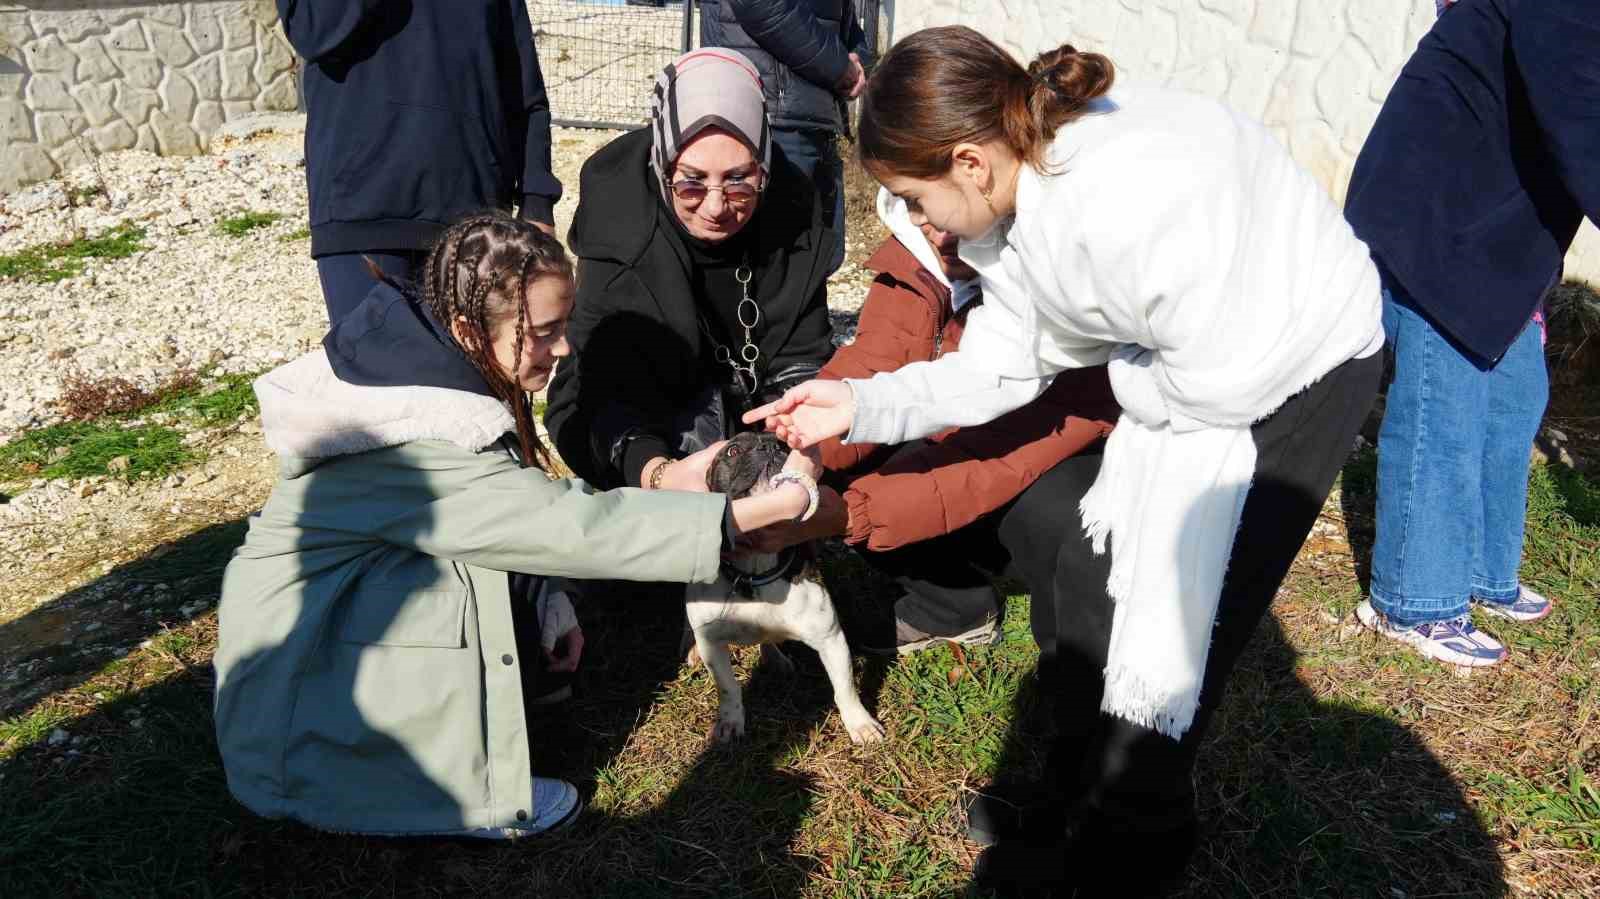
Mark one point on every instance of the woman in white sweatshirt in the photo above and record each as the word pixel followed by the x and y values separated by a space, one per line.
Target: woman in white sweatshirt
pixel 1241 319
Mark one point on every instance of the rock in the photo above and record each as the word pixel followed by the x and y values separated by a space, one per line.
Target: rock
pixel 248 126
pixel 118 465
pixel 87 489
pixel 59 453
pixel 38 198
pixel 173 480
pixel 57 737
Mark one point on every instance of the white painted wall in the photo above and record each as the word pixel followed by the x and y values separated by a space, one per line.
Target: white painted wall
pixel 83 77
pixel 1315 71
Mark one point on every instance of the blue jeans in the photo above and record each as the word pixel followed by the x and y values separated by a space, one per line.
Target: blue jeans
pixel 346 280
pixel 815 152
pixel 1452 470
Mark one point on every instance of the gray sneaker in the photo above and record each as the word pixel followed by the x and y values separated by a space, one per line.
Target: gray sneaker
pixel 909 639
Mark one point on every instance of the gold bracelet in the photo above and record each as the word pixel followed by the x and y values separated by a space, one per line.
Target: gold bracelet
pixel 655 476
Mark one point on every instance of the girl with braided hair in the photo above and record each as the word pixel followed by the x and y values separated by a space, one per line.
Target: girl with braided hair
pixel 378 626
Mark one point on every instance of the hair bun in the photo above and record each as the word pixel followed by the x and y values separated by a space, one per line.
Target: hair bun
pixel 1064 81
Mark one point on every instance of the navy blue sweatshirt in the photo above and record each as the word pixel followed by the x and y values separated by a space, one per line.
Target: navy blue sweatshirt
pixel 1482 164
pixel 419 112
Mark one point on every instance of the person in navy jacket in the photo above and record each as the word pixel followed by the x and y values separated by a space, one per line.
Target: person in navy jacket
pixel 812 56
pixel 1469 191
pixel 418 113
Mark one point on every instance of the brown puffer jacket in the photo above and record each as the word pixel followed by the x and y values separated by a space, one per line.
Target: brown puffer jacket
pixel 960 475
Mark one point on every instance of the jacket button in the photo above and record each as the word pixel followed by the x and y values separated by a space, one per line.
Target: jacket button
pixel 506 658
pixel 521 814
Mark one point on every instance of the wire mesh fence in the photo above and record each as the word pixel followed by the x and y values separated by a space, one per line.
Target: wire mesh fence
pixel 600 57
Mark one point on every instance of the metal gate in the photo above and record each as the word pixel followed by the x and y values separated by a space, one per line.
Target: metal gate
pixel 600 57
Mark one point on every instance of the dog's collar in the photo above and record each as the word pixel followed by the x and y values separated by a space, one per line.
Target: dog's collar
pixel 746 583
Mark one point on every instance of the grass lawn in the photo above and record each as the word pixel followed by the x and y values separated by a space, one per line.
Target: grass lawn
pixel 1340 766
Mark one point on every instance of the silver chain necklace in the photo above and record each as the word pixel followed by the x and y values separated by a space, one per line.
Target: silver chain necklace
pixel 749 315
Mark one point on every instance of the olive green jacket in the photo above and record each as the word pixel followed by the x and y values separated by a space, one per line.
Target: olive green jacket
pixel 367 674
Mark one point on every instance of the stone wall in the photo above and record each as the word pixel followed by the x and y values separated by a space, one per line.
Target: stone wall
pixel 1315 71
pixel 84 77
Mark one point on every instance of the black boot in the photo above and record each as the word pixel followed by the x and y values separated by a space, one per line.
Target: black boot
pixel 1005 811
pixel 1088 860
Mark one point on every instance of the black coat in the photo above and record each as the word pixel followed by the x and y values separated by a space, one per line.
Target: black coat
pixel 640 364
pixel 1482 164
pixel 417 114
pixel 801 47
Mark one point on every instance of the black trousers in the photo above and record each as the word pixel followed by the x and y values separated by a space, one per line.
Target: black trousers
pixel 1131 785
pixel 948 578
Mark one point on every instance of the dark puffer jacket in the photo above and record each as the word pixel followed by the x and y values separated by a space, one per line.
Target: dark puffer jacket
pixel 801 47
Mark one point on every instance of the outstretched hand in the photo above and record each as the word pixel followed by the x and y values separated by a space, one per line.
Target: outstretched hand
pixel 808 414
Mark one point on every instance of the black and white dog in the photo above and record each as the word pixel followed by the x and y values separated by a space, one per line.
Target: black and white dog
pixel 768 599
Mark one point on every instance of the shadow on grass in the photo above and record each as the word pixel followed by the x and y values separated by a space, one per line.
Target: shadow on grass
pixel 136 800
pixel 59 644
pixel 1308 797
pixel 1304 797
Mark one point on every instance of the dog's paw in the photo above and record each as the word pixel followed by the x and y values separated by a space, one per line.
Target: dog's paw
pixel 866 731
pixel 727 730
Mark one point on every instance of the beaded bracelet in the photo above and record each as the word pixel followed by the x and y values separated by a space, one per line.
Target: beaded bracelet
pixel 788 476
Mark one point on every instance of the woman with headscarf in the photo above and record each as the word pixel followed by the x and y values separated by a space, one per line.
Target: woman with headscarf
pixel 702 268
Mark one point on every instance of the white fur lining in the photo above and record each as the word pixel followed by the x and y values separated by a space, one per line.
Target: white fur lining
pixel 308 413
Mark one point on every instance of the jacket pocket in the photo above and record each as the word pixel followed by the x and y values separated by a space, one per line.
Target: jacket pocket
pixel 385 613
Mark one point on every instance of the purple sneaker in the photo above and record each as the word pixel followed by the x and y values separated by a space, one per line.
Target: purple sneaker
pixel 1528 606
pixel 1454 641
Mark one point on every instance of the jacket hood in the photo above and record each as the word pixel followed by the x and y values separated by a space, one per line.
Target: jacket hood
pixel 310 415
pixel 392 340
pixel 894 215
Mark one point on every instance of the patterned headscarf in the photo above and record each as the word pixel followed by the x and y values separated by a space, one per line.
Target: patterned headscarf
pixel 712 87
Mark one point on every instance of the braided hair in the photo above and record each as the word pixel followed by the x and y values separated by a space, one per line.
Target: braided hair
pixel 475 281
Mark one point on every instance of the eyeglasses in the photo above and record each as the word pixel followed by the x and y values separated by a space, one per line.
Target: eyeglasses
pixel 738 191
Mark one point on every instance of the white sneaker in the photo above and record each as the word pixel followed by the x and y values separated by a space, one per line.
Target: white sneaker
pixel 1454 641
pixel 1528 606
pixel 556 804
